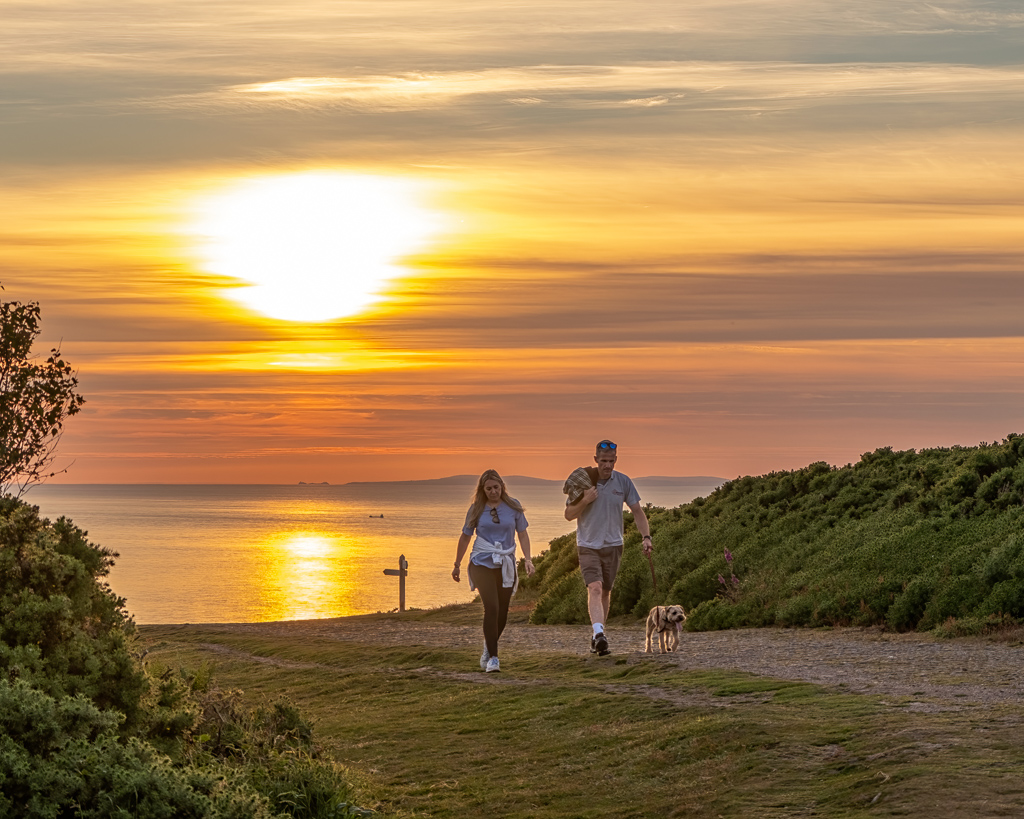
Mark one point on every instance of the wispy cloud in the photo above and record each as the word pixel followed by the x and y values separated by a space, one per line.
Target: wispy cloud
pixel 689 85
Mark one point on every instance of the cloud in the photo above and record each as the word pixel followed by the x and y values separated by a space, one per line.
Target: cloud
pixel 198 81
pixel 732 300
pixel 190 36
pixel 966 16
pixel 692 86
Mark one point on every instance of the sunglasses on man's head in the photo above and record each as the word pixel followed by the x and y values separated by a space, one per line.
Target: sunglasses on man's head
pixel 606 445
pixel 494 514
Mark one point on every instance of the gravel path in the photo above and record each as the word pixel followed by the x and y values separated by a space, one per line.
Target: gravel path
pixel 936 675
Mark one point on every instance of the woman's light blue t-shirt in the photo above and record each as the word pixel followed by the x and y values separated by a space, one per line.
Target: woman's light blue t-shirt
pixel 500 534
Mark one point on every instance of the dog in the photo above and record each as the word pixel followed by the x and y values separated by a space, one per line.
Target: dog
pixel 667 622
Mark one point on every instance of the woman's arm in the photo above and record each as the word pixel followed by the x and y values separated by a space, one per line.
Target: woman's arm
pixel 460 552
pixel 524 544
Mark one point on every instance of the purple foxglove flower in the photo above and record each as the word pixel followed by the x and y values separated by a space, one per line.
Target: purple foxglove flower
pixel 728 556
pixel 735 580
pixel 721 580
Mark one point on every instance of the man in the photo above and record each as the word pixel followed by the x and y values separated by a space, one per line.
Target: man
pixel 598 516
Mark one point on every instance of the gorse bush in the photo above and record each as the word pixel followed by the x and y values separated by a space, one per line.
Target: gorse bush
pixel 269 748
pixel 65 757
pixel 907 540
pixel 87 731
pixel 61 628
pixel 564 597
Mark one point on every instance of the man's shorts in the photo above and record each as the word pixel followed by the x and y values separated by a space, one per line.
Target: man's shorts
pixel 600 565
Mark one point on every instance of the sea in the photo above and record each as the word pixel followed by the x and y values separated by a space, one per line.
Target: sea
pixel 258 553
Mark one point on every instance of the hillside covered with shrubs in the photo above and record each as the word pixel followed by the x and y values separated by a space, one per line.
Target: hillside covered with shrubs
pixel 86 730
pixel 906 540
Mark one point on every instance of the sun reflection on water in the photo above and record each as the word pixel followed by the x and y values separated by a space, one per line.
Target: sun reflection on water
pixel 307 575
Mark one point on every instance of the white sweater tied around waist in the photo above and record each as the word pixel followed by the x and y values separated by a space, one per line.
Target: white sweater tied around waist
pixel 502 558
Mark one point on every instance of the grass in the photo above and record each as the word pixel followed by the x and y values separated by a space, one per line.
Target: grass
pixel 424 734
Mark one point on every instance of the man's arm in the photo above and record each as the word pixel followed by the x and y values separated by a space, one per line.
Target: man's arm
pixel 573 510
pixel 643 526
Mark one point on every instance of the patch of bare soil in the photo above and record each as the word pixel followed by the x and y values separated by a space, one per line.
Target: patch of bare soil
pixel 915 671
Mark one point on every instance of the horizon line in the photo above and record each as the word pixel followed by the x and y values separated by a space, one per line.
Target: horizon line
pixel 702 479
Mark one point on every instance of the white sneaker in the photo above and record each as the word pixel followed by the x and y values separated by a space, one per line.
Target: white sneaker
pixel 493 665
pixel 484 658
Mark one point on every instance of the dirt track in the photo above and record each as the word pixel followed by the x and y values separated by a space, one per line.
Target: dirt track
pixel 936 675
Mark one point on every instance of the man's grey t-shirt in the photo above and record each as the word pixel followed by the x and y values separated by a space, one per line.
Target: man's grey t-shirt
pixel 600 524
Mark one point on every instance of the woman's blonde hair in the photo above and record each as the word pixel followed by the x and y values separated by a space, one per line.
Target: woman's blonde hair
pixel 480 497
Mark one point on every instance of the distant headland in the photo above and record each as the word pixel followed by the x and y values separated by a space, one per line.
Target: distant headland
pixel 524 480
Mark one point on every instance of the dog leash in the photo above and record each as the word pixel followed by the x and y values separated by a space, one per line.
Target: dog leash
pixel 654 580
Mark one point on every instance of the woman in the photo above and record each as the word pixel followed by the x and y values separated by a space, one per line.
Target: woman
pixel 497 519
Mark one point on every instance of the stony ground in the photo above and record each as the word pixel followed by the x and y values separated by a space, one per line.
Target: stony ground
pixel 936 675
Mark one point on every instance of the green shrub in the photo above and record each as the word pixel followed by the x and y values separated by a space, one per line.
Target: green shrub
pixel 717 613
pixel 270 750
pixel 565 602
pixel 61 627
pixel 64 757
pixel 1005 599
pixel 977 626
pixel 559 560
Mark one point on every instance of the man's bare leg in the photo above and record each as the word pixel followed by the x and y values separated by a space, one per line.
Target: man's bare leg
pixel 595 602
pixel 598 601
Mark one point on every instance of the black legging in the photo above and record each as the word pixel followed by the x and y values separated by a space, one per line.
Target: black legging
pixel 495 598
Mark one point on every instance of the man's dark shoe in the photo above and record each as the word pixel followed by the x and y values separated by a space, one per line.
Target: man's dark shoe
pixel 600 644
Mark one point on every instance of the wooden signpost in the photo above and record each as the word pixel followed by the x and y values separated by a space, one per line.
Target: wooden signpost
pixel 400 573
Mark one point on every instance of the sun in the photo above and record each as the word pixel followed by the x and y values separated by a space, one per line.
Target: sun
pixel 312 246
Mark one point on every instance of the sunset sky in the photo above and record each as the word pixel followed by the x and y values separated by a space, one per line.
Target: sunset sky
pixel 337 241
